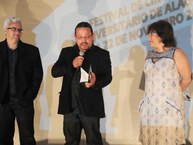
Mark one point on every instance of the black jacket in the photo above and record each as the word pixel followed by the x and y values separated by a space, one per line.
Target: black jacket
pixel 91 98
pixel 28 73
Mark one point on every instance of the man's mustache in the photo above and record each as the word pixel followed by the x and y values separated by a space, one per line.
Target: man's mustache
pixel 84 43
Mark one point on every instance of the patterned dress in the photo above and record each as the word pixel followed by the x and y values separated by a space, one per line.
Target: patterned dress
pixel 162 106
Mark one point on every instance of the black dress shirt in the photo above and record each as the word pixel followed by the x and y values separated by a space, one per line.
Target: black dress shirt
pixel 12 56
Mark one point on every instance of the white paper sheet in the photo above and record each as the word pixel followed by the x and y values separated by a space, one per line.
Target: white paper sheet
pixel 83 75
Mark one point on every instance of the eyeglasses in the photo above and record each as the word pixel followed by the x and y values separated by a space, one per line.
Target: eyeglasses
pixel 84 38
pixel 15 29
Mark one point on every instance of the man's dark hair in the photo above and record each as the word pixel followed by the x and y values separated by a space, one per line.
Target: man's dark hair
pixel 84 25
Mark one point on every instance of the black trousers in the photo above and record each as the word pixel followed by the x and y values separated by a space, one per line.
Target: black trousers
pixel 25 120
pixel 73 125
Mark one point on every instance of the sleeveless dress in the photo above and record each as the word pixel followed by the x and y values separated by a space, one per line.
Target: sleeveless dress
pixel 162 108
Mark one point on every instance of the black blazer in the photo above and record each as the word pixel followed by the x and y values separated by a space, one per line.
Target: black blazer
pixel 28 73
pixel 91 98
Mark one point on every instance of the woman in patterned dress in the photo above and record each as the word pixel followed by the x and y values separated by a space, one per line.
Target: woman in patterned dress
pixel 167 76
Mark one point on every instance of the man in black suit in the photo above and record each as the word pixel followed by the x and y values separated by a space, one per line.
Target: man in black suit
pixel 82 103
pixel 21 75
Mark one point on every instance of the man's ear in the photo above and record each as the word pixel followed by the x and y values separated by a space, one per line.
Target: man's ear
pixel 93 36
pixel 5 31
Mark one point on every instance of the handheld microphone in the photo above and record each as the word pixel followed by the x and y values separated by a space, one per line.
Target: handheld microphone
pixel 81 53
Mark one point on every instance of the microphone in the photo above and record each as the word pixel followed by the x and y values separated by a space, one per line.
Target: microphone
pixel 81 53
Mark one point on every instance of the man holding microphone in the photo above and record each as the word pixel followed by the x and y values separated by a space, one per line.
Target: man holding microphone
pixel 82 103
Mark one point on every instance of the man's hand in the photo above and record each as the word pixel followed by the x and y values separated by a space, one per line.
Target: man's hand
pixel 77 62
pixel 92 80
